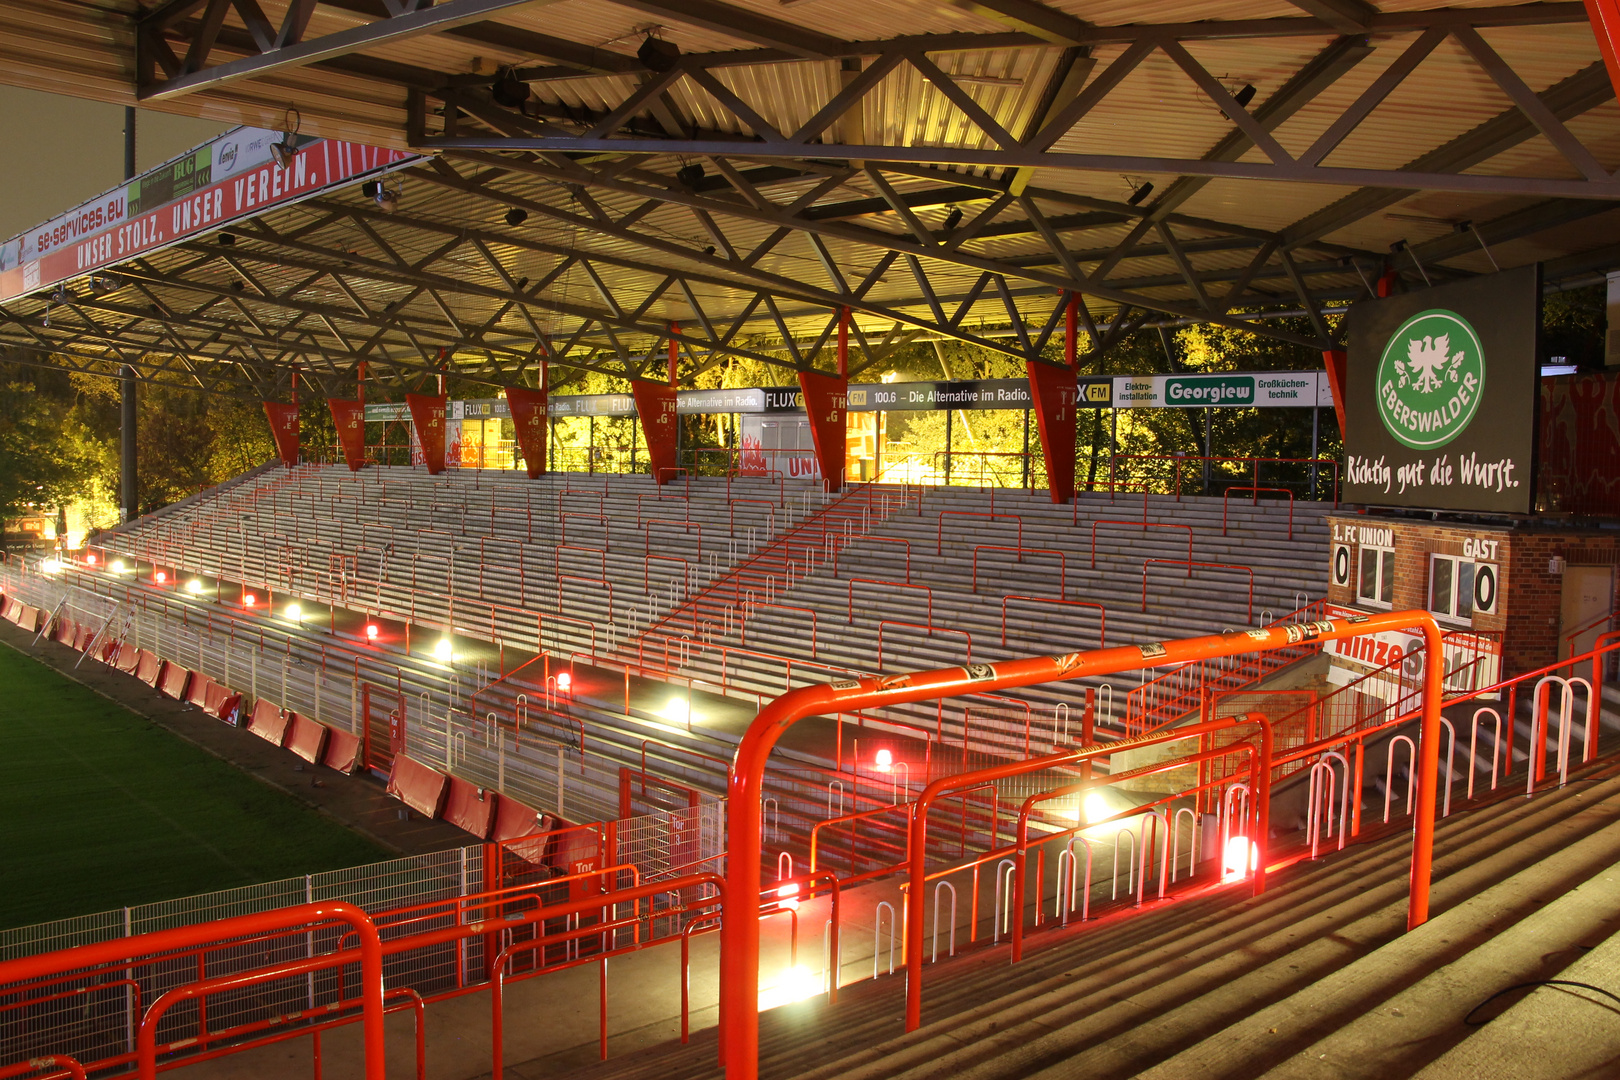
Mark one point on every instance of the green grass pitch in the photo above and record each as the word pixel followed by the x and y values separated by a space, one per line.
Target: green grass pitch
pixel 101 808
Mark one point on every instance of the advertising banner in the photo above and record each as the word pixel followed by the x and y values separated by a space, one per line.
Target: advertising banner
pixel 1441 395
pixel 349 419
pixel 230 178
pixel 428 425
pixel 284 428
pixel 1471 660
pixel 655 404
pixel 1055 393
pixel 824 398
pixel 971 394
pixel 1223 390
pixel 528 408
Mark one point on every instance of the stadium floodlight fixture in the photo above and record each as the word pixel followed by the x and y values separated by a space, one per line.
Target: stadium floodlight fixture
pixel 194 586
pixel 565 681
pixel 248 599
pixel 90 558
pixel 883 761
pixel 444 651
pixel 160 577
pixel 52 565
pixel 371 631
pixel 294 612
pixel 119 566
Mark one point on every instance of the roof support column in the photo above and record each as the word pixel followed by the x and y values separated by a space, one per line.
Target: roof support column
pixel 1605 17
pixel 128 487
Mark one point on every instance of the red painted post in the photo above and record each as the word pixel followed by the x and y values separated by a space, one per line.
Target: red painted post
pixel 674 351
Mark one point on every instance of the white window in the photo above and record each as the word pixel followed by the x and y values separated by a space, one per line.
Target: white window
pixel 1375 583
pixel 1451 587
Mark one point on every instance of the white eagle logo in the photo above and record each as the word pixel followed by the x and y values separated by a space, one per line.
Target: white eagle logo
pixel 1426 361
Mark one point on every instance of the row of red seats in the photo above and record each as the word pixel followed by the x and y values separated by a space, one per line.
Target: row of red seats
pixel 486 814
pixel 23 615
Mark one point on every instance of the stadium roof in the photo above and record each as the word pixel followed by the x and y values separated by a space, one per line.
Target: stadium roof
pixel 593 172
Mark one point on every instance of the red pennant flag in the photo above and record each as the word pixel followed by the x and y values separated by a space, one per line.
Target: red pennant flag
pixel 350 420
pixel 655 405
pixel 528 408
pixel 284 427
pixel 1055 392
pixel 825 400
pixel 427 417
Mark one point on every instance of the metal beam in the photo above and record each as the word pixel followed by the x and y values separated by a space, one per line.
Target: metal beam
pixel 441 16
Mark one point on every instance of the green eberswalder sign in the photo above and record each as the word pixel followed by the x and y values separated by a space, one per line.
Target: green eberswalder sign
pixel 1430 379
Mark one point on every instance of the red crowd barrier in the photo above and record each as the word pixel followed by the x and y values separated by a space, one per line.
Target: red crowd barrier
pixel 1102 614
pixel 928 592
pixel 939 540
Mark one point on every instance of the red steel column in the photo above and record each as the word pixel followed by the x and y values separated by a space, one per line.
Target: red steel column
pixel 1605 19
pixel 674 351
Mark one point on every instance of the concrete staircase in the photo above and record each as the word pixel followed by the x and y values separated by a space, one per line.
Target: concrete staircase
pixel 1315 978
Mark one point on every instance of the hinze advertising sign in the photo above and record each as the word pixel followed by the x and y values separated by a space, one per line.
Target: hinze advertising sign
pixel 1440 406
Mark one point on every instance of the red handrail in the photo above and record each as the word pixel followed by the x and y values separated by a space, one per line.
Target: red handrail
pixel 47 1061
pixel 1102 614
pixel 1063 563
pixel 1189 564
pixel 1255 462
pixel 119 950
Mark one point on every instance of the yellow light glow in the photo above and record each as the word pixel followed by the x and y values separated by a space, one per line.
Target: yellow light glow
pixel 444 652
pixel 797 983
pixel 52 565
pixel 194 586
pixel 1097 807
pixel 119 566
pixel 294 612
pixel 678 710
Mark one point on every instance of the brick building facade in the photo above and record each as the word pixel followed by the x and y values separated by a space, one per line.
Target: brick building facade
pixel 1529 564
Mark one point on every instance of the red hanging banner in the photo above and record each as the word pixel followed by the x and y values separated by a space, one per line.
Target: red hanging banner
pixel 655 405
pixel 1338 364
pixel 1053 391
pixel 427 417
pixel 284 427
pixel 528 408
pixel 825 400
pixel 349 417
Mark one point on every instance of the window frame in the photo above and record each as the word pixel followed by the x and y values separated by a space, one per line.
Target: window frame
pixel 1384 574
pixel 1458 590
